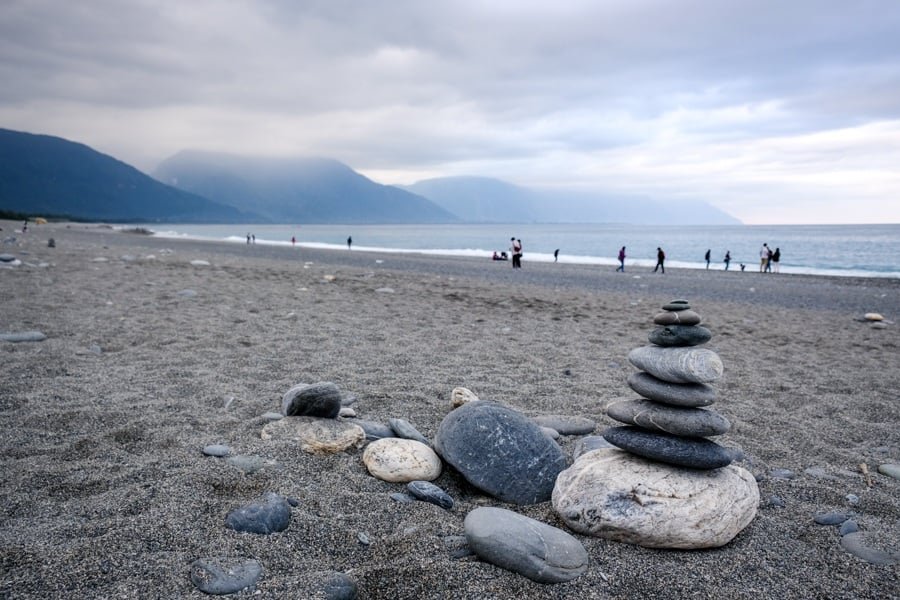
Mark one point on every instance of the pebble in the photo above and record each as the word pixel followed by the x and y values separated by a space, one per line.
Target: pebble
pixel 217 450
pixel 852 499
pixel 200 263
pixel 831 518
pixel 340 586
pixel 346 412
pixel 7 258
pixel 695 453
pixel 428 492
pixel 401 460
pixel 776 501
pixel 250 463
pixel 272 416
pixel 523 545
pixel 312 400
pixel 684 394
pixel 373 429
pixel 405 429
pixel 781 474
pixel 680 335
pixel 461 395
pixel 682 317
pixel 891 470
pixel 590 443
pixel 23 336
pixel 677 305
pixel 678 365
pixel 187 293
pixel 820 473
pixel 402 498
pixel 854 543
pixel 567 425
pixel 316 435
pixel 849 526
pixel 879 325
pixel 873 316
pixel 363 538
pixel 270 515
pixel 690 422
pixel 222 576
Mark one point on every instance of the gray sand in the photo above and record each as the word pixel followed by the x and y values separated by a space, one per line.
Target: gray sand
pixel 106 493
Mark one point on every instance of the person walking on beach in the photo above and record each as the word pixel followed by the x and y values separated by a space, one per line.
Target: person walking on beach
pixel 727 259
pixel 621 266
pixel 763 257
pixel 515 248
pixel 707 259
pixel 248 239
pixel 254 238
pixel 349 242
pixel 660 261
pixel 556 255
pixel 776 259
pixel 293 240
pixel 518 256
pixel 769 261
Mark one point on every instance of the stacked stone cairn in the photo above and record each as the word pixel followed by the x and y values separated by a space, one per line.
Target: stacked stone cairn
pixel 665 485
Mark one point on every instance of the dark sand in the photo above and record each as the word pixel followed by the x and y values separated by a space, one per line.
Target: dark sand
pixel 105 493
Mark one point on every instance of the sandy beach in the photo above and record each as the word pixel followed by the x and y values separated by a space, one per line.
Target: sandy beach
pixel 150 356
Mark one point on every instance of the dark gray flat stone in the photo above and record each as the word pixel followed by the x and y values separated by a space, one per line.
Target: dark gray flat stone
pixel 855 544
pixel 831 518
pixel 567 425
pixel 428 492
pixel 847 527
pixel 217 450
pixel 690 422
pixel 312 400
pixel 681 317
pixel 676 306
pixel 23 336
pixel 272 514
pixel 339 586
pixel 680 335
pixel 676 394
pixel 374 430
pixel 696 453
pixel 678 365
pixel 222 576
pixel 404 429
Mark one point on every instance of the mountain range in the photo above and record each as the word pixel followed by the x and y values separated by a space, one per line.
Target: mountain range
pixel 46 175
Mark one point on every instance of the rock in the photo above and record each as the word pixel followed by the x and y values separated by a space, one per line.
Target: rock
pixel 680 335
pixel 316 436
pixel 677 305
pixel 776 501
pixel 373 429
pixel 460 396
pixel 695 453
pixel 312 400
pixel 873 316
pixel 677 394
pixel 272 514
pixel 339 586
pixel 346 412
pixel 402 498
pixel 428 492
pixel 200 263
pixel 7 258
pixel 681 317
pixel 401 460
pixel 890 470
pixel 23 336
pixel 272 416
pixel 678 365
pixel 222 576
pixel 849 526
pixel 625 498
pixel 831 518
pixel 249 463
pixel 691 422
pixel 820 473
pixel 781 474
pixel 217 450
pixel 520 544
pixel 500 451
pixel 567 425
pixel 588 443
pixel 852 499
pixel 879 325
pixel 187 293
pixel 404 429
pixel 854 543
pixel 51 243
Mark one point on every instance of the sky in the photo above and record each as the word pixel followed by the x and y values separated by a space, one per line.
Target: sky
pixel 773 111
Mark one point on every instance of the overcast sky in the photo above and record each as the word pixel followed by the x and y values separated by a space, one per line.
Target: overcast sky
pixel 783 111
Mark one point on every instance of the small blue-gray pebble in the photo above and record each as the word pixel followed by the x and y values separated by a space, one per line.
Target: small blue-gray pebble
pixel 217 450
pixel 848 526
pixel 831 518
pixel 339 586
pixel 224 576
pixel 427 491
pixel 402 498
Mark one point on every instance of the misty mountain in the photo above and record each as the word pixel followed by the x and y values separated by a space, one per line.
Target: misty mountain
pixel 482 199
pixel 46 175
pixel 297 190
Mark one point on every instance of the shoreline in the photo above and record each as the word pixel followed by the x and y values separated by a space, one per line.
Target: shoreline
pixel 106 492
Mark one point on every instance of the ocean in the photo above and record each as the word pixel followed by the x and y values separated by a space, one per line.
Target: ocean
pixel 840 250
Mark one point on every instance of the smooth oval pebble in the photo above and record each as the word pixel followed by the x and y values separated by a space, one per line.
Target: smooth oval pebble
pixel 224 576
pixel 217 450
pixel 680 335
pixel 890 470
pixel 340 586
pixel 695 453
pixel 682 317
pixel 690 422
pixel 567 425
pixel 873 317
pixel 831 518
pixel 428 492
pixel 676 306
pixel 676 394
pixel 23 336
pixel 401 460
pixel 849 526
pixel 404 429
pixel 678 365
pixel 855 545
pixel 270 515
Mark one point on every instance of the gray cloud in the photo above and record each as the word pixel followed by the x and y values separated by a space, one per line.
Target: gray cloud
pixel 594 93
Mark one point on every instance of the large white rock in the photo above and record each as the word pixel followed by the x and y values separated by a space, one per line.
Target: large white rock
pixel 615 495
pixel 315 435
pixel 401 460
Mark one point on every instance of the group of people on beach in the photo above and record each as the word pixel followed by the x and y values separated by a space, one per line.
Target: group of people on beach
pixel 769 260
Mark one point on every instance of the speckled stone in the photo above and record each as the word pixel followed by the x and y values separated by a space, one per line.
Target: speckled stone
pixel 401 460
pixel 681 317
pixel 695 453
pixel 312 400
pixel 222 576
pixel 675 394
pixel 217 450
pixel 316 435
pixel 272 514
pixel 680 335
pixel 678 365
pixel 691 422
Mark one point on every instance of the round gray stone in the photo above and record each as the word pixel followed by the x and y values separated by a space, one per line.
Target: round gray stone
pixel 696 453
pixel 676 394
pixel 691 422
pixel 272 514
pixel 680 335
pixel 678 365
pixel 681 317
pixel 312 400
pixel 849 526
pixel 500 451
pixel 222 576
pixel 520 544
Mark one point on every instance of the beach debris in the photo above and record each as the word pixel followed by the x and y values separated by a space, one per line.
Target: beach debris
pixel 428 492
pixel 312 400
pixel 217 450
pixel 855 544
pixel 23 336
pixel 567 425
pixel 269 515
pixel 873 316
pixel 891 470
pixel 460 396
pixel 536 550
pixel 672 487
pixel 316 435
pixel 404 429
pixel 221 576
pixel 864 469
pixel 500 451
pixel 401 460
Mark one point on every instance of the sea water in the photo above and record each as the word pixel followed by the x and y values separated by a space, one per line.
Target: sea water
pixel 843 250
